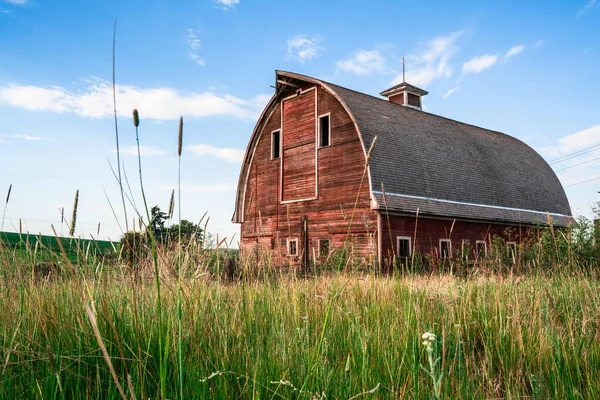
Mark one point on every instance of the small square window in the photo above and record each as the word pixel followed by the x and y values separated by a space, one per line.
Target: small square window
pixel 324 247
pixel 481 249
pixel 324 131
pixel 292 245
pixel 275 144
pixel 445 249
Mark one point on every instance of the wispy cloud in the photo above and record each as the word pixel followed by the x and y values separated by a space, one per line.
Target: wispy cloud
pixel 449 92
pixel 431 61
pixel 478 64
pixel 539 43
pixel 514 51
pixel 217 187
pixel 363 62
pixel 224 153
pixel 581 162
pixel 95 101
pixel 194 44
pixel 591 4
pixel 16 2
pixel 145 151
pixel 23 137
pixel 302 48
pixel 226 4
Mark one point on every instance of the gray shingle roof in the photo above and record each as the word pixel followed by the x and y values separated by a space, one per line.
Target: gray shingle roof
pixel 449 168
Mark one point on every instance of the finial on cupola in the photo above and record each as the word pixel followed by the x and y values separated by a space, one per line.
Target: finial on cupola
pixel 404 93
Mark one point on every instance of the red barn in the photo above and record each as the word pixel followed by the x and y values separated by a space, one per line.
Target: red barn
pixel 328 167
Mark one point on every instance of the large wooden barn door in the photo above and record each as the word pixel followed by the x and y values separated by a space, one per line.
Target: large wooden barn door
pixel 299 164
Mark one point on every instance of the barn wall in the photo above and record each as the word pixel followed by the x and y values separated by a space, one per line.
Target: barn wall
pixel 269 223
pixel 429 231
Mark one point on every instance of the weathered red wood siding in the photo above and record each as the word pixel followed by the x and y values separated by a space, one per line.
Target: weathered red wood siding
pixel 299 150
pixel 341 185
pixel 430 230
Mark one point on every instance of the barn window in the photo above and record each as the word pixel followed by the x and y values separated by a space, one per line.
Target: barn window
pixel 481 248
pixel 324 131
pixel 275 144
pixel 511 248
pixel 445 249
pixel 323 247
pixel 292 247
pixel 404 249
pixel 414 100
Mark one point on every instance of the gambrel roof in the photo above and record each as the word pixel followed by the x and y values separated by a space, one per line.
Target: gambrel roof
pixel 448 168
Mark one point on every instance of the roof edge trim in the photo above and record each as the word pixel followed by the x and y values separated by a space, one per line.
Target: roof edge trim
pixel 470 204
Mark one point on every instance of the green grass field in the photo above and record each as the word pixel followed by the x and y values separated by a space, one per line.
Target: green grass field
pixel 335 335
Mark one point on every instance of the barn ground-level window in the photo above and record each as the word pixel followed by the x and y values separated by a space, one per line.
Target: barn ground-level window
pixel 324 131
pixel 404 249
pixel 292 247
pixel 445 249
pixel 324 247
pixel 481 249
pixel 275 144
pixel 511 248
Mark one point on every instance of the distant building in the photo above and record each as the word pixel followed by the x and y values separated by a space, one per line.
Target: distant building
pixel 361 167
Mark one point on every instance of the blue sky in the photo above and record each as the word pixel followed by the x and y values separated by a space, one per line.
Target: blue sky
pixel 529 69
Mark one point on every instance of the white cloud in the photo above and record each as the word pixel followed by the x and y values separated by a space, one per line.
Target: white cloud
pixel 431 62
pixel 539 43
pixel 579 140
pixel 449 92
pixel 194 44
pixel 197 59
pixel 145 151
pixel 583 165
pixel 95 101
pixel 24 137
pixel 224 153
pixel 16 2
pixel 363 62
pixel 217 187
pixel 302 48
pixel 514 51
pixel 478 64
pixel 227 4
pixel 588 6
pixel 192 39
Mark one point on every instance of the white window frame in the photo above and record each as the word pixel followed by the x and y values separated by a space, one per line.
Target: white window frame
pixel 319 129
pixel 449 241
pixel 398 239
pixel 319 246
pixel 289 240
pixel 272 148
pixel 477 242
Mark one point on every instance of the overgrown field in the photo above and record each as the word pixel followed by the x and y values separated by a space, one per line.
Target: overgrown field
pixel 331 336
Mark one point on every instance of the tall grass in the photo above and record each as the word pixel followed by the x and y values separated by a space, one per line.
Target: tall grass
pixel 338 335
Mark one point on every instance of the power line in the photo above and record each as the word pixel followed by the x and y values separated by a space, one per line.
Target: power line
pixel 575 154
pixel 576 165
pixel 582 182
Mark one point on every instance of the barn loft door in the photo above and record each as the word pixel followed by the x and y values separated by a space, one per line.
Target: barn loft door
pixel 299 164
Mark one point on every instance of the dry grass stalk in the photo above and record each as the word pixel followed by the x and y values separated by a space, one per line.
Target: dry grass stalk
pixel 94 324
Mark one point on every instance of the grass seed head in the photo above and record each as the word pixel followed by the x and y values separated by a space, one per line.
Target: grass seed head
pixel 74 218
pixel 171 204
pixel 180 138
pixel 136 118
pixel 8 194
